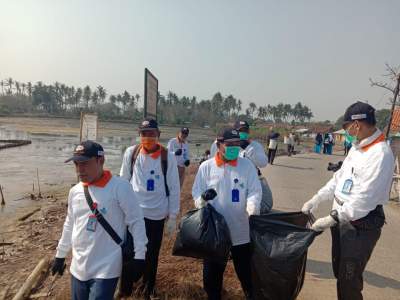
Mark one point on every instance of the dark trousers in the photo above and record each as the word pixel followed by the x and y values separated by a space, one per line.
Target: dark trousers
pixel 325 149
pixel 352 246
pixel 271 156
pixel 154 232
pixel 93 289
pixel 213 273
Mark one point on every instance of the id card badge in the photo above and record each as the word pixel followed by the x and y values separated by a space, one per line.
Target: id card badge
pixel 150 185
pixel 348 184
pixel 235 195
pixel 92 223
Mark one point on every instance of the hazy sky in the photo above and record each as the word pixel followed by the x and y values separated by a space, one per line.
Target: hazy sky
pixel 319 52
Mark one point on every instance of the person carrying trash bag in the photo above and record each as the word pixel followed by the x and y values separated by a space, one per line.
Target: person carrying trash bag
pixel 280 241
pixel 180 148
pixel 152 171
pixel 359 189
pixel 238 195
pixel 254 151
pixel 100 208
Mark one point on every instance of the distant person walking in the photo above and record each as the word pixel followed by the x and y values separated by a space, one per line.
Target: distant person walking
pixel 318 143
pixel 347 144
pixel 180 148
pixel 331 142
pixel 272 146
pixel 289 142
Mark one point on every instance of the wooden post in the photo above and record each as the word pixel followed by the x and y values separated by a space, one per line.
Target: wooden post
pixel 37 175
pixel 32 279
pixel 3 202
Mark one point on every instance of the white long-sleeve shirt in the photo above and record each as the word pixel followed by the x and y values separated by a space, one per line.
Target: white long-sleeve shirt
pixel 369 165
pixel 222 179
pixel 155 204
pixel 95 254
pixel 255 152
pixel 173 145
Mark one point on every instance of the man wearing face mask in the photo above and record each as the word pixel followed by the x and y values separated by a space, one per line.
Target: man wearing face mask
pixel 180 148
pixel 152 171
pixel 251 149
pixel 358 190
pixel 236 194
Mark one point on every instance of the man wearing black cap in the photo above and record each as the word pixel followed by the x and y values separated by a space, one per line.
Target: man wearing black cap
pixel 96 257
pixel 180 148
pixel 152 171
pixel 358 190
pixel 236 194
pixel 254 151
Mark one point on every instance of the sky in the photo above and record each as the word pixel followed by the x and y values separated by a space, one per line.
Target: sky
pixel 321 53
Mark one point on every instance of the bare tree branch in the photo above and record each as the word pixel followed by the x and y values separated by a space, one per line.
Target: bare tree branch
pixel 382 85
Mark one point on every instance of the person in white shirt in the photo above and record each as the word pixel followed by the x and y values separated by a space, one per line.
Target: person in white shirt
pixel 96 257
pixel 180 148
pixel 236 191
pixel 254 151
pixel 359 189
pixel 272 146
pixel 251 149
pixel 152 171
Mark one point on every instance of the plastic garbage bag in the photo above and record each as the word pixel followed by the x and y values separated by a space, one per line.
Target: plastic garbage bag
pixel 280 241
pixel 203 233
pixel 266 200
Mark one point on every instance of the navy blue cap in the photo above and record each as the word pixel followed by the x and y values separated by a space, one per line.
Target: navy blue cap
pixel 148 124
pixel 185 130
pixel 359 111
pixel 241 124
pixel 229 135
pixel 86 150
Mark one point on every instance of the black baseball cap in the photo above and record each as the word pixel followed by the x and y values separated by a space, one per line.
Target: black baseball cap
pixel 185 130
pixel 241 124
pixel 229 135
pixel 359 111
pixel 86 150
pixel 148 124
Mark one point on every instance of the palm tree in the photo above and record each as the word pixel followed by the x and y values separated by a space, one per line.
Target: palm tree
pixel 3 84
pixel 95 98
pixel 9 83
pixel 252 109
pixel 87 94
pixel 23 85
pixel 29 89
pixel 102 93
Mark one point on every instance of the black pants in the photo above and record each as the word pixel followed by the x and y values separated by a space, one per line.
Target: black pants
pixel 352 246
pixel 213 273
pixel 271 156
pixel 154 232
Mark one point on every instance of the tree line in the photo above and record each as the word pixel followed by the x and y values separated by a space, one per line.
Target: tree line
pixel 63 100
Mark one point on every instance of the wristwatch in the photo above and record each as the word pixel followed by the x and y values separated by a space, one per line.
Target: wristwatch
pixel 334 214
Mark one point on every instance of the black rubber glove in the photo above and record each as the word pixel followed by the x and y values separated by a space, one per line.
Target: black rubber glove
pixel 208 195
pixel 178 152
pixel 244 144
pixel 58 266
pixel 136 267
pixel 187 163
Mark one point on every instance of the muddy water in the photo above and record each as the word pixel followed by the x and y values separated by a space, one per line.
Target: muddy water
pixel 53 141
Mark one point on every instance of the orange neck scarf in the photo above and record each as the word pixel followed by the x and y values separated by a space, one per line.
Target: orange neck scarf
pixel 220 160
pixel 102 182
pixel 154 155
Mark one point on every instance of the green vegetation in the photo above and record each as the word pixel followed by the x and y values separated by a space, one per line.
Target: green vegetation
pixel 61 100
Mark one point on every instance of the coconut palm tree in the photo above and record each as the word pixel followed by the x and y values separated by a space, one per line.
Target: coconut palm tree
pixel 102 93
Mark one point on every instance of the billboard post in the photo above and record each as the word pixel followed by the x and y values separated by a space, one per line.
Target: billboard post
pixel 150 95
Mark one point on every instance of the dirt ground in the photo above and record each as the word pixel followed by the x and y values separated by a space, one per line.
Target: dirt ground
pixel 37 237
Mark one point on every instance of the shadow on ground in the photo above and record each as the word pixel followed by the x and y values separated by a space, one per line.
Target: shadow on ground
pixel 293 167
pixel 323 270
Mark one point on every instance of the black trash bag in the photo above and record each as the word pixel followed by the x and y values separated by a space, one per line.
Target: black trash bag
pixel 280 241
pixel 203 233
pixel 266 200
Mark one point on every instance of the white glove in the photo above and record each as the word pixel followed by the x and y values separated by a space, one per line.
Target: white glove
pixel 323 223
pixel 311 205
pixel 200 203
pixel 170 226
pixel 252 209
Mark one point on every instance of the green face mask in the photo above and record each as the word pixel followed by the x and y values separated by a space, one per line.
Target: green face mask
pixel 231 152
pixel 350 138
pixel 244 135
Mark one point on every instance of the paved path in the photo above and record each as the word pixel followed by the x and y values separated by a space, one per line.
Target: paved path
pixel 293 181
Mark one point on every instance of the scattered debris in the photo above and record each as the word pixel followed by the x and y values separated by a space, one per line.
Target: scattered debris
pixel 26 216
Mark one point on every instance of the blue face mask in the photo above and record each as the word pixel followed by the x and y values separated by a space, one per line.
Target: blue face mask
pixel 231 152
